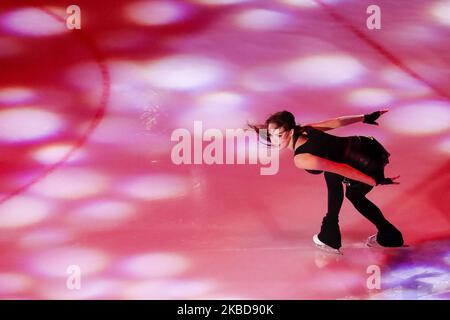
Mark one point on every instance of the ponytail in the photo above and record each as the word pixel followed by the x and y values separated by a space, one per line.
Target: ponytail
pixel 261 130
pixel 297 128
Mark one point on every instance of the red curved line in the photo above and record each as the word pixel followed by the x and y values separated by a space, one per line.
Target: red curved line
pixel 98 116
pixel 383 51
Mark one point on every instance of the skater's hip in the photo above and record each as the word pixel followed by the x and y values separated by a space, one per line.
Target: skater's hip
pixel 366 154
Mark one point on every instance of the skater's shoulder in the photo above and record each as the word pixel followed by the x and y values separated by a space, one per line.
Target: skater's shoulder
pixel 307 129
pixel 311 132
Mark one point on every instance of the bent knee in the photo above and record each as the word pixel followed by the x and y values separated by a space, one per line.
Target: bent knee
pixel 352 195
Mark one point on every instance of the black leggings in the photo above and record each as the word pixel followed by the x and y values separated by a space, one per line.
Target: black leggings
pixel 387 235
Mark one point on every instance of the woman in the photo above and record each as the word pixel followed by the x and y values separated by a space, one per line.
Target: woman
pixel 356 161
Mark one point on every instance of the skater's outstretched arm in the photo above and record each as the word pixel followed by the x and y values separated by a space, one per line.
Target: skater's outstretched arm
pixel 311 162
pixel 346 120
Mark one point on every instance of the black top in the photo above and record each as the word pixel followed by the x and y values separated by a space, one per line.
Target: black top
pixel 321 144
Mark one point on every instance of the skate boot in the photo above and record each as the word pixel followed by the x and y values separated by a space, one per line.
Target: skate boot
pixel 372 242
pixel 324 246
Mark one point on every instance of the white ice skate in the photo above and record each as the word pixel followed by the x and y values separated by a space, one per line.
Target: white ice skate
pixel 373 243
pixel 322 246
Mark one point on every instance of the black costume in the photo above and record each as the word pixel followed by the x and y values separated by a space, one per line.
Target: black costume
pixel 364 154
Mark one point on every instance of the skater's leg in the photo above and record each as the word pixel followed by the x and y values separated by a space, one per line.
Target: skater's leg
pixel 388 235
pixel 329 231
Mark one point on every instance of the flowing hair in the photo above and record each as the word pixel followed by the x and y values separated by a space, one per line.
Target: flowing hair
pixel 282 119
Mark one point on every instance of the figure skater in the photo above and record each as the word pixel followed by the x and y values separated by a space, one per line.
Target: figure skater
pixel 356 161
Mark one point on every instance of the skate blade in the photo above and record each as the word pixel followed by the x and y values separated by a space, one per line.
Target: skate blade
pixel 328 249
pixel 374 244
pixel 322 246
pixel 377 246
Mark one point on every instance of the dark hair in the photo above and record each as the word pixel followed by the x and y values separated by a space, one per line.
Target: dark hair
pixel 283 119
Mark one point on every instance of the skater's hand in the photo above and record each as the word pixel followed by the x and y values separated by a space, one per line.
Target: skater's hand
pixel 371 117
pixel 384 181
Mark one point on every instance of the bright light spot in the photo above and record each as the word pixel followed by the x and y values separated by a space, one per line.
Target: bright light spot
pixel 130 90
pixel 22 211
pixel 370 97
pixel 262 19
pixel 9 47
pixel 11 283
pixel 441 11
pixel 421 118
pixel 155 265
pixel 301 3
pixel 161 289
pixel 27 124
pixel 263 79
pixel 101 214
pixel 184 72
pixel 307 3
pixel 322 71
pixel 155 187
pixel 54 263
pixel 32 22
pixel 71 184
pixel 213 116
pixel 118 131
pixel 93 288
pixel 52 153
pixel 44 237
pixel 220 99
pixel 155 12
pixel 15 95
pixel 220 110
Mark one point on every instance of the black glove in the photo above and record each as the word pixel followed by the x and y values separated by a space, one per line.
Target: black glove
pixel 384 181
pixel 371 117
